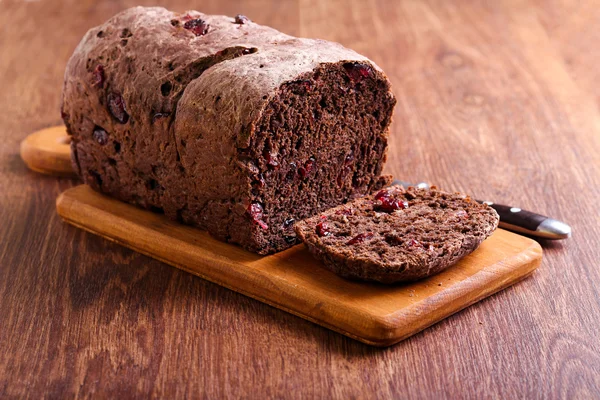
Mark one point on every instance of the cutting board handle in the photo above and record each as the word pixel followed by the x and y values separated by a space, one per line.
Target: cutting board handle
pixel 49 152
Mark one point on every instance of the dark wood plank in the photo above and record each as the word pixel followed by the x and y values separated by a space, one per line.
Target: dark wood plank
pixel 495 98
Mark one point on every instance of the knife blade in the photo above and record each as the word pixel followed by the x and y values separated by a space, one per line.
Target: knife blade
pixel 517 220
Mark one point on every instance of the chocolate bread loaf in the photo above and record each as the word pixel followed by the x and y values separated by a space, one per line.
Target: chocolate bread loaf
pixel 224 124
pixel 398 235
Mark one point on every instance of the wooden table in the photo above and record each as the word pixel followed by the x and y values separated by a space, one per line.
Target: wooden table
pixel 499 99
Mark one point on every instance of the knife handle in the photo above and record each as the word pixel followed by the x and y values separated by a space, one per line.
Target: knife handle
pixel 530 223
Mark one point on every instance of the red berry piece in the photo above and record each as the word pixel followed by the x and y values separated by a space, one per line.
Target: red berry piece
pixel 387 203
pixel 344 211
pixel 307 85
pixel 308 166
pixel 198 27
pixel 271 159
pixel 98 76
pixel 116 106
pixel 302 172
pixel 241 19
pixel 323 229
pixel 414 243
pixel 382 193
pixel 357 71
pixel 100 135
pixel 361 237
pixel 349 158
pixel 255 211
pixel 262 224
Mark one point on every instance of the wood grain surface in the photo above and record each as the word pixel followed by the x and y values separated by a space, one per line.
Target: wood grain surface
pixel 496 98
pixel 294 281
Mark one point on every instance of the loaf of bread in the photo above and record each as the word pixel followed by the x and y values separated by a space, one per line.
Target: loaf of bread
pixel 398 235
pixel 224 124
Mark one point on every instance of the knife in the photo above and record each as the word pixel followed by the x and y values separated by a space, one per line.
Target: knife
pixel 517 220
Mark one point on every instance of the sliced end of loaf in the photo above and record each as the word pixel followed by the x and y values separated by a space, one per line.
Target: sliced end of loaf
pixel 398 235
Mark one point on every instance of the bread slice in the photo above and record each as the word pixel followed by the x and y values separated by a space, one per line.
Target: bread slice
pixel 398 235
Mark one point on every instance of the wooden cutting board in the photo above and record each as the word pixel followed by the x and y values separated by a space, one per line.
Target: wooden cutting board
pixel 295 282
pixel 48 152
